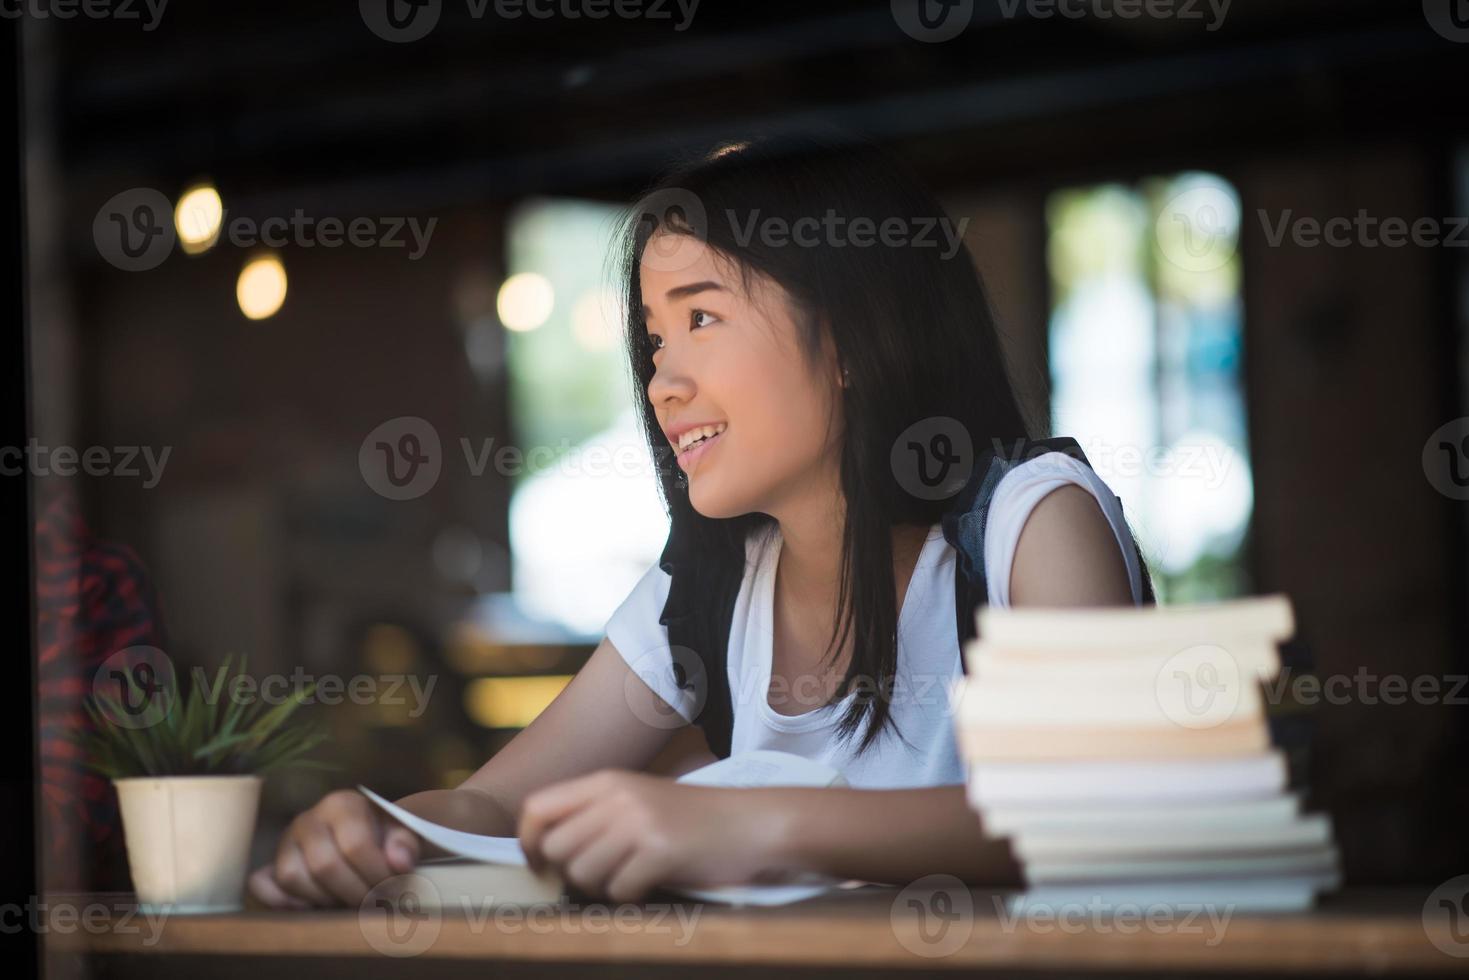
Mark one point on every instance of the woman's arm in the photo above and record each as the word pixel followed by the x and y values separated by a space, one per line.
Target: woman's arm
pixel 620 834
pixel 606 717
pixel 1068 555
pixel 337 851
pixel 892 836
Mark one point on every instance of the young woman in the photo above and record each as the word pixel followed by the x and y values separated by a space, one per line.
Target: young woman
pixel 801 305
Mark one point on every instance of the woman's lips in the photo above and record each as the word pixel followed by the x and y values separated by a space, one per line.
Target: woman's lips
pixel 691 456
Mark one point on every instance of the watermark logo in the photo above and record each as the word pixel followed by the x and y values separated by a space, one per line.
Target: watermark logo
pixel 1450 18
pixel 933 458
pixel 1365 687
pixel 934 916
pixel 406 21
pixel 1198 229
pixel 401 21
pixel 90 9
pixel 1099 916
pixel 932 21
pixel 1446 459
pixel 1446 917
pixel 1363 230
pixel 402 458
pixel 835 230
pixel 675 210
pixel 676 670
pixel 65 461
pixel 400 915
pixel 124 917
pixel 1200 686
pixel 134 229
pixel 135 687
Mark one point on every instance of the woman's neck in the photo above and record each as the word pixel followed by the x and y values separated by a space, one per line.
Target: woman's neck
pixel 811 550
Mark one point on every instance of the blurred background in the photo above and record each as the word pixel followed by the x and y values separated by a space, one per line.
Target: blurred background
pixel 387 224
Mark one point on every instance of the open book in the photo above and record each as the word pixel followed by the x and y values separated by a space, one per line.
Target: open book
pixel 494 871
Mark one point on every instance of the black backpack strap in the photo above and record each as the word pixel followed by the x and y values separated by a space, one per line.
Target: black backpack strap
pixel 964 523
pixel 698 614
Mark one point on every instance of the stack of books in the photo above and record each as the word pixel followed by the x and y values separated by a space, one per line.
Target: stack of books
pixel 1125 752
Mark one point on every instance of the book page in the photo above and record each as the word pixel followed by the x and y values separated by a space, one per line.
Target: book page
pixel 480 847
pixel 761 768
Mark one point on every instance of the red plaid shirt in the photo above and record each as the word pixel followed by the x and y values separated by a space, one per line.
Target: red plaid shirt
pixel 92 599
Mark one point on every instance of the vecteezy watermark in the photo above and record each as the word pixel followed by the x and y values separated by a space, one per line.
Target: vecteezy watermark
pixel 1446 916
pixel 840 231
pixel 360 689
pixel 1446 459
pixel 62 916
pixel 1204 685
pixel 676 210
pixel 403 915
pixel 680 679
pixel 933 21
pixel 1450 18
pixel 149 12
pixel 136 688
pixel 1366 687
pixel 134 231
pixel 1200 686
pixel 1197 230
pixel 933 458
pixel 406 21
pixel 1363 230
pixel 680 700
pixel 403 458
pixel 934 916
pixel 1100 916
pixel 121 461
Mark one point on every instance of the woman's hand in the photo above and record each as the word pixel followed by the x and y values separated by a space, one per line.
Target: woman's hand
pixel 617 834
pixel 334 854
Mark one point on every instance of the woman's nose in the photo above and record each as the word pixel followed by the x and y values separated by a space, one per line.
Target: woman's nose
pixel 670 381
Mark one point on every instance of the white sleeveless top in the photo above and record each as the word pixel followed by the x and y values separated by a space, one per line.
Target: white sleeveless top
pixel 928 651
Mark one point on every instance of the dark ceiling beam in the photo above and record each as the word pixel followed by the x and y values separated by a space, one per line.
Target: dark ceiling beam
pixel 628 160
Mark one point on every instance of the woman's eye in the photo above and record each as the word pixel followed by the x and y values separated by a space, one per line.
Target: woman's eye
pixel 694 318
pixel 655 342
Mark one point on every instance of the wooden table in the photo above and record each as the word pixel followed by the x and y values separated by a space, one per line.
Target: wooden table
pixel 868 931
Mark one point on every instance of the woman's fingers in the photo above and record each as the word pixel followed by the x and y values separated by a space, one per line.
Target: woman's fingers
pixel 565 839
pixel 593 866
pixel 294 877
pixel 330 868
pixel 264 888
pixel 547 807
pixel 358 842
pixel 636 876
pixel 401 847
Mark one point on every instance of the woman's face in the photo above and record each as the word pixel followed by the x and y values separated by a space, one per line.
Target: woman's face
pixel 733 360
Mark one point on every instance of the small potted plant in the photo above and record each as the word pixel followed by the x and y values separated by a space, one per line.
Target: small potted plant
pixel 188 781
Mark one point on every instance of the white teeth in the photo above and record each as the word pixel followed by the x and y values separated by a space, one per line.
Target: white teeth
pixel 691 436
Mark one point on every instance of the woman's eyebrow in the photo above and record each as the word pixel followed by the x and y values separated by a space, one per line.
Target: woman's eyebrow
pixel 689 289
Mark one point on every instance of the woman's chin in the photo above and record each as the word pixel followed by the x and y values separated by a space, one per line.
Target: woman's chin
pixel 709 501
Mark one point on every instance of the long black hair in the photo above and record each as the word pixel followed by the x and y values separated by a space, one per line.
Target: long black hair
pixel 911 324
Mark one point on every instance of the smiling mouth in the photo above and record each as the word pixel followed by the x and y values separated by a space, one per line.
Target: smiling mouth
pixel 698 449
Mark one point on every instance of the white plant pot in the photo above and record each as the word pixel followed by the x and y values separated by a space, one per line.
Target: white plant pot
pixel 188 839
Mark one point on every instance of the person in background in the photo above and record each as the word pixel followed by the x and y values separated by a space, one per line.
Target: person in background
pixel 93 598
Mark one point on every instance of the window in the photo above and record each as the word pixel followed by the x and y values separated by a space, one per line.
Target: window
pixel 586 519
pixel 1146 344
